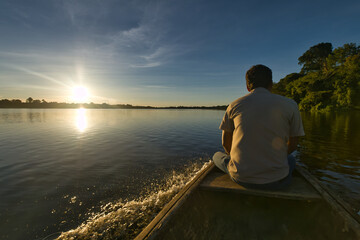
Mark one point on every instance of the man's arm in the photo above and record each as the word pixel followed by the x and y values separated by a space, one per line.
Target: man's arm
pixel 227 140
pixel 292 144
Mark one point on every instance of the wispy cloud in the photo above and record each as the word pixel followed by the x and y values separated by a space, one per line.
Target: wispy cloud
pixel 146 65
pixel 32 86
pixel 38 74
pixel 160 56
pixel 34 56
pixel 83 15
pixel 158 86
pixel 103 34
pixel 145 44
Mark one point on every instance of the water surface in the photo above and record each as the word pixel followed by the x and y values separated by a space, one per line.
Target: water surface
pixel 331 150
pixel 63 167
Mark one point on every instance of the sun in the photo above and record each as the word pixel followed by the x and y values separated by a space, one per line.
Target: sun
pixel 80 94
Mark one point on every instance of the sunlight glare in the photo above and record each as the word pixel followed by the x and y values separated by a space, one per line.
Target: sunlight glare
pixel 81 121
pixel 80 94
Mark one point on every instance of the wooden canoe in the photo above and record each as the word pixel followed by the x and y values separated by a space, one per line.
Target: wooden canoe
pixel 304 187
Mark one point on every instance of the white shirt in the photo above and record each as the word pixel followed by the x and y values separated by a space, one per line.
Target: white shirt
pixel 261 123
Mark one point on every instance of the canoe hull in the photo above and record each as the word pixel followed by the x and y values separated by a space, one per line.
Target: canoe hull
pixel 177 218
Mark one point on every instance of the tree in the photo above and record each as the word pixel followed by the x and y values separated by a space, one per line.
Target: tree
pixel 314 59
pixel 5 102
pixel 280 87
pixel 29 100
pixel 347 84
pixel 329 80
pixel 16 101
pixel 316 101
pixel 339 55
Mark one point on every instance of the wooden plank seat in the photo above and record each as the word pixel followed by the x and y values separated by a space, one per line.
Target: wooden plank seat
pixel 299 189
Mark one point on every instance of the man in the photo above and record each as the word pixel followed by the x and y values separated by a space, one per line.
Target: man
pixel 259 131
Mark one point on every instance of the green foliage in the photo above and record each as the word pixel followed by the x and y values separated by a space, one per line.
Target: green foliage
pixel 314 59
pixel 339 55
pixel 328 80
pixel 280 87
pixel 316 101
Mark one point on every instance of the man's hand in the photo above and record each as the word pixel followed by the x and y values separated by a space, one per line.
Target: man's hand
pixel 292 144
pixel 227 141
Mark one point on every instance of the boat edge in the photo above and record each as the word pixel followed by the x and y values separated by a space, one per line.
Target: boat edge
pixel 335 202
pixel 163 216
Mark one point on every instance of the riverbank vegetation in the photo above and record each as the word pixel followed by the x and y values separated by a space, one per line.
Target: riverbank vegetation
pixel 329 79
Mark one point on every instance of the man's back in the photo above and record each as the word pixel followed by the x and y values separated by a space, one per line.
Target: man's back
pixel 261 123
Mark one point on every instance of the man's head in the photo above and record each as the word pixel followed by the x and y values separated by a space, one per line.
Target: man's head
pixel 258 76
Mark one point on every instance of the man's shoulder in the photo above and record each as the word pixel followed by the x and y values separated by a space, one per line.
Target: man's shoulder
pixel 285 100
pixel 239 100
pixel 272 97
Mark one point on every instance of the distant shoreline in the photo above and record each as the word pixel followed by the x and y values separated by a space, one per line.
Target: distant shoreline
pixel 135 107
pixel 37 104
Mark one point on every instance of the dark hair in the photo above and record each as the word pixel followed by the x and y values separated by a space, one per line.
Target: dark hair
pixel 258 76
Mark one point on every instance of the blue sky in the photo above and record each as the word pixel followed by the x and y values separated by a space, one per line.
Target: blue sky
pixel 159 52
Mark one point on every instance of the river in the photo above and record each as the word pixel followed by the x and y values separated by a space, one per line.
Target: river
pixel 100 170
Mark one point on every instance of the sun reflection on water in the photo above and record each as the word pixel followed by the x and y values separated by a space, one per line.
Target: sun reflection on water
pixel 81 120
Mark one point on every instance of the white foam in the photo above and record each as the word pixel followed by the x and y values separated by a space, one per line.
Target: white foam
pixel 124 220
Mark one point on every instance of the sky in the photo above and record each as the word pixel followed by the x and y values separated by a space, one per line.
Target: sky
pixel 159 53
